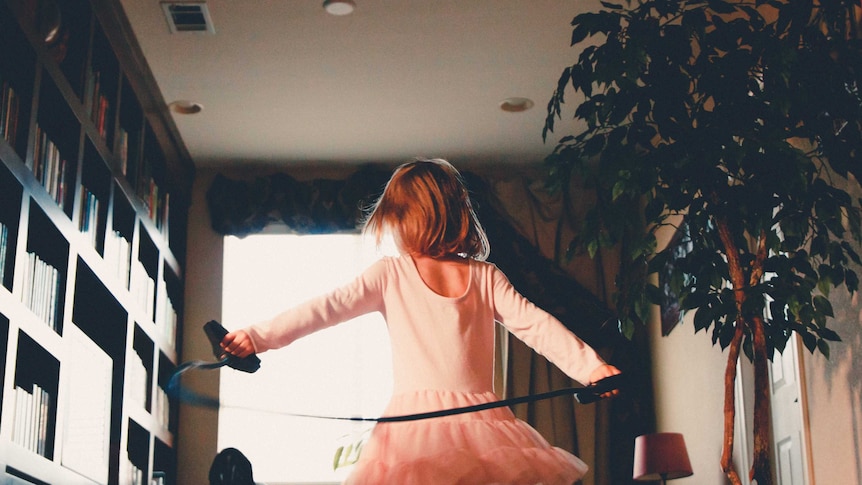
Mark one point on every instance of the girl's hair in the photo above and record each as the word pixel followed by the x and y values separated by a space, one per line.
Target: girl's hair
pixel 427 208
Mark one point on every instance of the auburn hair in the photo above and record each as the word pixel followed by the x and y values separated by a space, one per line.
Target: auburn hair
pixel 427 208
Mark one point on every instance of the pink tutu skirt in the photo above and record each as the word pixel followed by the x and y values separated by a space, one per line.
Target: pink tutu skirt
pixel 489 447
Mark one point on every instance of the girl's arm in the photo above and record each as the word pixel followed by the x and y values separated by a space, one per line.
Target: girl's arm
pixel 545 334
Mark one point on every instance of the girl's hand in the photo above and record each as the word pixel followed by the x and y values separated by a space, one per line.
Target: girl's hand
pixel 603 371
pixel 238 343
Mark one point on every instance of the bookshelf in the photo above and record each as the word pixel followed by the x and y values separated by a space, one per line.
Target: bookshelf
pixel 94 187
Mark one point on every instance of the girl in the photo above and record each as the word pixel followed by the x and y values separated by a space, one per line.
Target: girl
pixel 440 300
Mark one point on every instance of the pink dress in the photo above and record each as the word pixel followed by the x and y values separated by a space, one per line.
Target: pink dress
pixel 443 357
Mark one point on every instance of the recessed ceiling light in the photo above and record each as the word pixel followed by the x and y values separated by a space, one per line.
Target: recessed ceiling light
pixel 516 105
pixel 339 7
pixel 185 107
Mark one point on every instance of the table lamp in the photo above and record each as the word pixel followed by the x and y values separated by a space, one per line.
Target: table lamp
pixel 660 456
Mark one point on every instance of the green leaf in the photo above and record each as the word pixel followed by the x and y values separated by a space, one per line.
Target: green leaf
pixel 809 340
pixel 851 280
pixel 702 319
pixel 653 209
pixel 618 190
pixel 654 294
pixel 726 334
pixel 627 328
pixel 593 248
pixel 611 6
pixel 823 347
pixel 336 460
pixel 828 334
pixel 822 305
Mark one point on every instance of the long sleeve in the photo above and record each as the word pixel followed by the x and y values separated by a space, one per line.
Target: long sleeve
pixel 362 295
pixel 541 331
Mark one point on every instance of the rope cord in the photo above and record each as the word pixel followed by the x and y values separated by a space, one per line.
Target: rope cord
pixel 583 395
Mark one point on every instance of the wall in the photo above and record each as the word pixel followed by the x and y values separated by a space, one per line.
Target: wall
pixel 198 431
pixel 688 375
pixel 835 397
pixel 834 389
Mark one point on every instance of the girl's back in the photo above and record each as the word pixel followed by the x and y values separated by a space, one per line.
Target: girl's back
pixel 447 277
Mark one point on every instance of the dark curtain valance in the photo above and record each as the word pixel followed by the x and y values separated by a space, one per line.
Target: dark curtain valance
pixel 242 207
pixel 320 206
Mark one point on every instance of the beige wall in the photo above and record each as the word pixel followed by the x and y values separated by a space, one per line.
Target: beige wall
pixel 198 430
pixel 834 390
pixel 688 375
pixel 835 398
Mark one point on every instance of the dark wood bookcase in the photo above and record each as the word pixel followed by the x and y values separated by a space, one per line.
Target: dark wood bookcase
pixel 94 190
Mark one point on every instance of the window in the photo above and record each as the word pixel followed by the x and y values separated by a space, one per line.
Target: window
pixel 341 371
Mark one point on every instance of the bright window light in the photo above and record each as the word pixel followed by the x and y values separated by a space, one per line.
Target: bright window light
pixel 341 371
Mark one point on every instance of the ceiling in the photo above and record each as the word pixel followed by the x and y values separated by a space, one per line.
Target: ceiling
pixel 284 82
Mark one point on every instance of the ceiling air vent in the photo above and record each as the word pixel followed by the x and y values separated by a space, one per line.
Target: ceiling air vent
pixel 188 17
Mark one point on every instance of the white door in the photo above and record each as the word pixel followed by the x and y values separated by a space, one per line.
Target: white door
pixel 789 412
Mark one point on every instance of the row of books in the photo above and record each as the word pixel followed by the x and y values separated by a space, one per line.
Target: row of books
pixel 42 290
pixel 162 407
pixel 50 167
pixel 30 426
pixel 130 474
pixel 167 324
pixel 139 389
pixel 9 102
pixel 138 385
pixel 118 255
pixel 122 150
pixel 99 104
pixel 89 223
pixel 156 201
pixel 143 289
pixel 4 242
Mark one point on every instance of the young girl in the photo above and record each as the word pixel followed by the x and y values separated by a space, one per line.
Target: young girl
pixel 440 301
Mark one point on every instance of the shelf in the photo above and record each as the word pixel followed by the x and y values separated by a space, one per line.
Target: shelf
pixel 44 274
pixel 94 191
pixel 35 390
pixel 17 71
pixel 10 213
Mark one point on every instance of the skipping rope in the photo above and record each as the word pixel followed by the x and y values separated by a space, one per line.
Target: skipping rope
pixel 215 332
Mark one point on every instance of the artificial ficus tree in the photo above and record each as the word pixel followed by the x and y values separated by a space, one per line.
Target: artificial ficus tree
pixel 739 116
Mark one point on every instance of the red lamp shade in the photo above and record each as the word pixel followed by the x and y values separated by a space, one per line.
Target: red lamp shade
pixel 660 456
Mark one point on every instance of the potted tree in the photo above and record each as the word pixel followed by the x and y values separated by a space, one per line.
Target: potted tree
pixel 738 117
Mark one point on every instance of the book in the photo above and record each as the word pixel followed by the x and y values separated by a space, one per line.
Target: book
pixel 4 242
pixel 50 167
pixel 31 413
pixel 9 102
pixel 89 222
pixel 42 290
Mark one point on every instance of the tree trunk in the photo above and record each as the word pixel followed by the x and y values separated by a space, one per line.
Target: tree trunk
pixel 737 277
pixel 730 407
pixel 761 470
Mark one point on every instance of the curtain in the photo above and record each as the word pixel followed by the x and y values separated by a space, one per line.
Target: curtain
pixel 242 207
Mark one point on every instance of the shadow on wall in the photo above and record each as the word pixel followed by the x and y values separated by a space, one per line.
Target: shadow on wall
pixel 839 375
